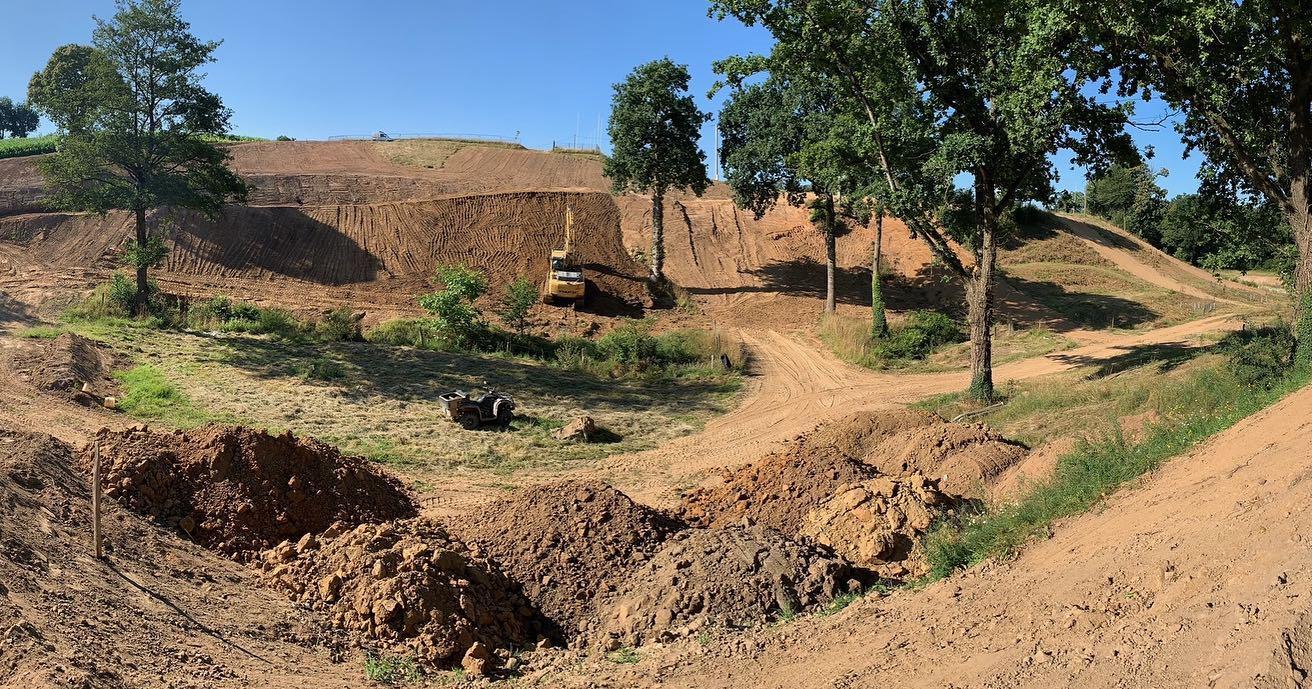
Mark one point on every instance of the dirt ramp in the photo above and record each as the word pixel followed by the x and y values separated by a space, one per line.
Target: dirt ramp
pixel 967 457
pixel 734 578
pixel 67 363
pixel 238 491
pixel 566 543
pixel 776 491
pixel 880 524
pixel 406 585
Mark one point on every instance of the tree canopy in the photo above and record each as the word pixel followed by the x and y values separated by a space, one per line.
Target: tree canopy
pixel 17 119
pixel 654 129
pixel 135 114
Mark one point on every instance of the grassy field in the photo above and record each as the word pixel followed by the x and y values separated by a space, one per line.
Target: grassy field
pixel 35 145
pixel 381 401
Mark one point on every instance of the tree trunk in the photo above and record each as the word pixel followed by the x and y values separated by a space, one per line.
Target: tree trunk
pixel 658 235
pixel 142 298
pixel 979 293
pixel 879 320
pixel 831 253
pixel 1300 221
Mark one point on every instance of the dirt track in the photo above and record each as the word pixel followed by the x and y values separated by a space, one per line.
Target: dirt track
pixel 1197 578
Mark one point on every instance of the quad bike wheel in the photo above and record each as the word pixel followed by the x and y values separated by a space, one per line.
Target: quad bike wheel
pixel 504 416
pixel 470 421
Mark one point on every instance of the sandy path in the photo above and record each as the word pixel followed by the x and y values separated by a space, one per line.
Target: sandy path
pixel 797 384
pixel 1199 577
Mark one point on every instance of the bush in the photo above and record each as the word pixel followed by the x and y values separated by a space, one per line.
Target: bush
pixel 923 332
pixel 455 318
pixel 402 332
pixel 338 325
pixel 572 350
pixel 630 344
pixel 519 300
pixel 1260 357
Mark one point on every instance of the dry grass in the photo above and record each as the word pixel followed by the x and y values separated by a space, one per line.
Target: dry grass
pixel 1100 297
pixel 381 401
pixel 430 153
pixel 849 339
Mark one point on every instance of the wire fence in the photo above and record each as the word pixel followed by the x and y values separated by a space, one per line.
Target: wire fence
pixel 577 142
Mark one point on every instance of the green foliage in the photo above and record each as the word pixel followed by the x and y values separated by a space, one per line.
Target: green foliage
pixel 455 317
pixel 407 332
pixel 1303 330
pixel 321 368
pixel 1130 197
pixel 134 116
pixel 654 131
pixel 17 120
pixel 17 148
pixel 1069 202
pixel 147 255
pixel 520 297
pixel 624 656
pixel 284 137
pixel 1260 357
pixel 1190 409
pixel 386 669
pixel 923 332
pixel 630 344
pixel 148 394
pixel 338 325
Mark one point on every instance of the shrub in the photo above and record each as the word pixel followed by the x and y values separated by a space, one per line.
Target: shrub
pixel 1260 357
pixel 338 325
pixel 519 300
pixel 630 344
pixel 455 318
pixel 923 332
pixel 407 332
pixel 572 350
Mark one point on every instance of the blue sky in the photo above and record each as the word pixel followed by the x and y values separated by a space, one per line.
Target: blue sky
pixel 314 69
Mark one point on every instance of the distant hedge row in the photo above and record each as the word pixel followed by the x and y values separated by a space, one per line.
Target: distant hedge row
pixel 36 145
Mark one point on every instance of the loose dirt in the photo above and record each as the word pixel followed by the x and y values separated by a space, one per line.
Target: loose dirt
pixel 716 579
pixel 67 364
pixel 238 491
pixel 566 544
pixel 780 489
pixel 406 586
pixel 880 524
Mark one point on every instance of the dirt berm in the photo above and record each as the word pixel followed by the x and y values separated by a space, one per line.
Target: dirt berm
pixel 566 544
pixel 406 585
pixel 67 363
pixel 238 491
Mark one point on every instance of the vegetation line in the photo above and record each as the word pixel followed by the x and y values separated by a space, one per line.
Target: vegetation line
pixel 1192 410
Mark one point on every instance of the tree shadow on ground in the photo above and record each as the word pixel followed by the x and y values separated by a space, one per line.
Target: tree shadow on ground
pixel 1166 356
pixel 1093 311
pixel 415 375
pixel 14 313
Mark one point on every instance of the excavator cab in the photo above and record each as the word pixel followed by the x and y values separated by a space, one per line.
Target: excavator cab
pixel 565 278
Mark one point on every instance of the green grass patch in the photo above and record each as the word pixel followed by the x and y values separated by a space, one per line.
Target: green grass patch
pixel 624 656
pixel 149 394
pixel 391 669
pixel 42 332
pixel 1190 408
pixel 35 145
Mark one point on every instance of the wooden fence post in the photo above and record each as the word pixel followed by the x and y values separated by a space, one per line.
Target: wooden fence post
pixel 95 497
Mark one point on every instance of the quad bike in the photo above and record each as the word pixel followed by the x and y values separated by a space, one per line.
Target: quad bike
pixel 491 407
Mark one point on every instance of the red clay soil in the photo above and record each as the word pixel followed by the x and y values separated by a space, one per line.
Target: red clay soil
pixel 776 491
pixel 406 587
pixel 67 363
pixel 880 524
pixel 731 578
pixel 156 612
pixel 566 544
pixel 239 491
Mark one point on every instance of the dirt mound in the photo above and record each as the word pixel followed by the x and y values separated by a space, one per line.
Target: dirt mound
pixel 736 577
pixel 238 490
pixel 859 434
pixel 407 585
pixel 880 524
pixel 63 365
pixel 968 457
pixel 776 491
pixel 566 543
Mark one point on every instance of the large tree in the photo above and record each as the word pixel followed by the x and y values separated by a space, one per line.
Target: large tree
pixel 984 90
pixel 784 139
pixel 135 118
pixel 1240 71
pixel 654 130
pixel 17 119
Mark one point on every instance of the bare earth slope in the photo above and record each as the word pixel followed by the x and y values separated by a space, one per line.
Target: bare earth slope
pixel 1199 577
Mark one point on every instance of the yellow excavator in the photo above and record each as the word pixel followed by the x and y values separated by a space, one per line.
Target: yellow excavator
pixel 565 279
